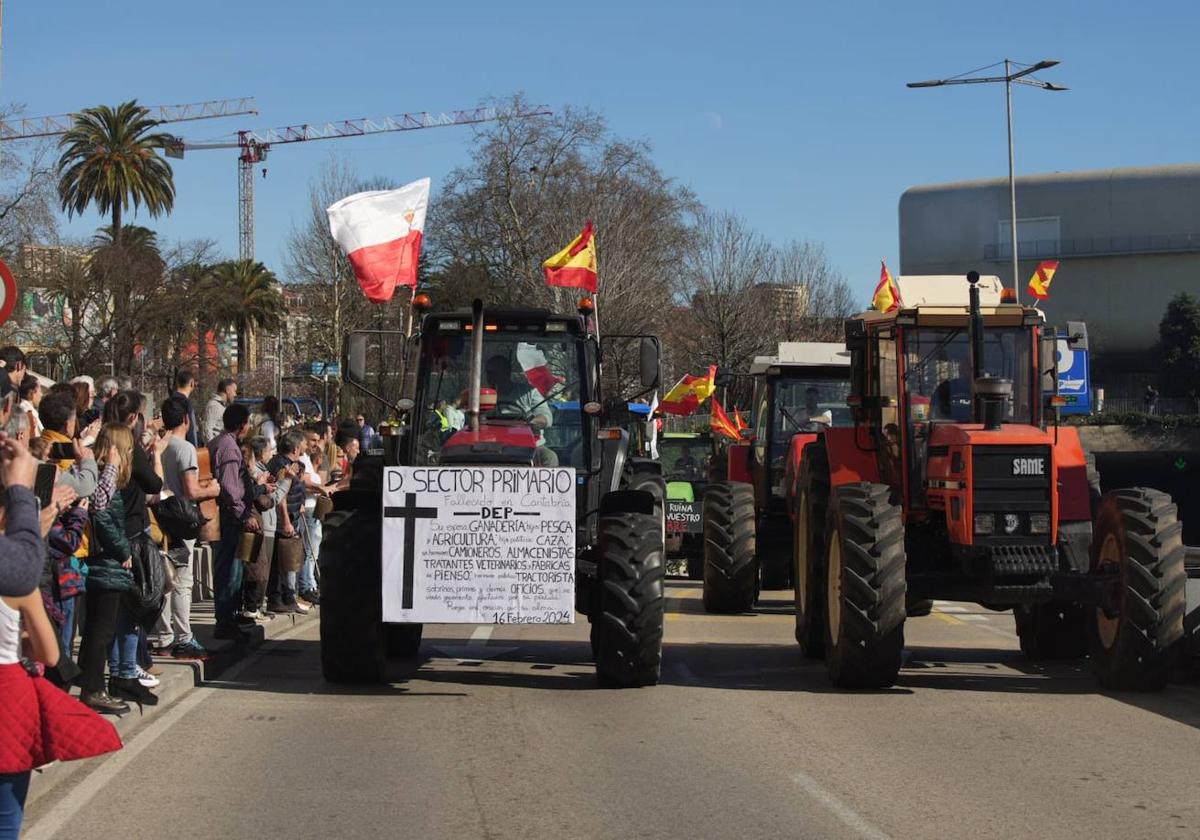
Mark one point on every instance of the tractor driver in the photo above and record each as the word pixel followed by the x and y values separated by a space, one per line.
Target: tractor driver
pixel 812 407
pixel 685 463
pixel 499 375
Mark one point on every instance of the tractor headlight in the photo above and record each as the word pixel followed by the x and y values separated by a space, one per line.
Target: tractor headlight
pixel 985 523
pixel 1039 523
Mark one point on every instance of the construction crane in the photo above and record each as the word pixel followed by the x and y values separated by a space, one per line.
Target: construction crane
pixel 253 147
pixel 26 128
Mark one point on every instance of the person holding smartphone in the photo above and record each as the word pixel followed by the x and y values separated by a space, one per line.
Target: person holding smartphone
pixel 64 447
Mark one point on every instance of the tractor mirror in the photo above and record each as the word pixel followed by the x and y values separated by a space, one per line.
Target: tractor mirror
pixel 649 362
pixel 1049 363
pixel 355 370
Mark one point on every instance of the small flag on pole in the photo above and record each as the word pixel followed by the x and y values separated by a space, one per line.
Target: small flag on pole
pixel 575 265
pixel 887 295
pixel 688 393
pixel 1039 284
pixel 720 423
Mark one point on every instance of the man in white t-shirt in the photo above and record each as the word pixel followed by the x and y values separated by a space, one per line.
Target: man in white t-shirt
pixel 173 632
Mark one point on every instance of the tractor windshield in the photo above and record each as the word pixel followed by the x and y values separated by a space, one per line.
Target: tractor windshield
pixel 805 404
pixel 536 377
pixel 685 459
pixel 938 371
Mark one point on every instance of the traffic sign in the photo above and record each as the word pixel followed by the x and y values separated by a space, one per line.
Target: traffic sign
pixel 8 300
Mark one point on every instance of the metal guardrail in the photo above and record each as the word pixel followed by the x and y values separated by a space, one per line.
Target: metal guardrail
pixel 1095 246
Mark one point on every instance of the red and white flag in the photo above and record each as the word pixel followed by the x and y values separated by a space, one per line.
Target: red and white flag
pixel 537 369
pixel 380 231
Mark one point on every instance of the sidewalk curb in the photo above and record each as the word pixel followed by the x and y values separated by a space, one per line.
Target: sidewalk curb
pixel 178 680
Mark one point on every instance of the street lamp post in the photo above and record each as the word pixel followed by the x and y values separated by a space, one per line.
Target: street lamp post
pixel 1008 78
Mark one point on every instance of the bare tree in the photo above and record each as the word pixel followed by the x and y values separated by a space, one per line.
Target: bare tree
pixel 822 296
pixel 28 191
pixel 531 185
pixel 717 288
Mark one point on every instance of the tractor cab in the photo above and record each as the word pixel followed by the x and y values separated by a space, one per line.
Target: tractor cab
pixel 949 398
pixel 798 394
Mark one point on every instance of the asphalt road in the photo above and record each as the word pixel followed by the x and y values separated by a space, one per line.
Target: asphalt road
pixel 503 735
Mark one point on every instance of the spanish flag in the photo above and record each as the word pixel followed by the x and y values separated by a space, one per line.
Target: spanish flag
pixel 689 393
pixel 1039 284
pixel 738 421
pixel 720 423
pixel 887 295
pixel 575 265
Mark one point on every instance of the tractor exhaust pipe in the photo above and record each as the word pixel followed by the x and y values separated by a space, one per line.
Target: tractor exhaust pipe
pixel 476 363
pixel 975 330
pixel 989 394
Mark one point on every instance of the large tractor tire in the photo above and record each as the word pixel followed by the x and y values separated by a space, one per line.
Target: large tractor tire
pixel 808 550
pixel 865 587
pixel 773 545
pixel 647 476
pixel 627 629
pixel 1138 536
pixel 1057 630
pixel 402 641
pixel 730 565
pixel 353 642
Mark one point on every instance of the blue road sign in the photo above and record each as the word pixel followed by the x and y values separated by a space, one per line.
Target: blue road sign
pixel 1074 378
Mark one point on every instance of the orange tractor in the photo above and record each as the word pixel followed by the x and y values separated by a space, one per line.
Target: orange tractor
pixel 955 481
pixel 798 394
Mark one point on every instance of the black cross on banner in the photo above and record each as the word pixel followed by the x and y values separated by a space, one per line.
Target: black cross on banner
pixel 410 513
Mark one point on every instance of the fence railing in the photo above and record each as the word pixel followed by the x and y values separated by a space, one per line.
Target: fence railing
pixel 1094 246
pixel 1164 405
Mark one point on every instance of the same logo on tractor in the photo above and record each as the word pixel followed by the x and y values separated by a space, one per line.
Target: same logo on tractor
pixel 1029 466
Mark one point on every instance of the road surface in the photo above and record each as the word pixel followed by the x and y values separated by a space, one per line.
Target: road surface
pixel 500 733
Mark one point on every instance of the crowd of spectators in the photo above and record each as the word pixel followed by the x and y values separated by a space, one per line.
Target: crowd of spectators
pixel 104 521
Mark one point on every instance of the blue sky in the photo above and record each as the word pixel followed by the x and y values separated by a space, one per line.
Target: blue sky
pixel 794 115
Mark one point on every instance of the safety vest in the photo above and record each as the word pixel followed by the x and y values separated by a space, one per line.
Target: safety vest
pixel 443 420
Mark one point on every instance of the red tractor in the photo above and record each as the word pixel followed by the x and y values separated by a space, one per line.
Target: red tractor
pixel 798 394
pixel 956 481
pixel 617 542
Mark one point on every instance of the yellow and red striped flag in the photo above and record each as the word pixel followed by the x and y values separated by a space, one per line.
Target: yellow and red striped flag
pixel 1039 284
pixel 738 421
pixel 688 393
pixel 575 265
pixel 887 294
pixel 720 423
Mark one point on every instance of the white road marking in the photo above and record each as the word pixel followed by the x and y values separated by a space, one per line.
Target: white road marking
pixel 480 635
pixel 972 617
pixel 851 818
pixel 96 781
pixel 952 609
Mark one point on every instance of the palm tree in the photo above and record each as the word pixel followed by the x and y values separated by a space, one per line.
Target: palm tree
pixel 246 296
pixel 109 159
pixel 131 272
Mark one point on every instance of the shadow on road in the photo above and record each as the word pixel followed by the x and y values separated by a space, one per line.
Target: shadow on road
pixel 293 667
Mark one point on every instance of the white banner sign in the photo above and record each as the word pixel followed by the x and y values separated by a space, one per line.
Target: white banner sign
pixel 479 545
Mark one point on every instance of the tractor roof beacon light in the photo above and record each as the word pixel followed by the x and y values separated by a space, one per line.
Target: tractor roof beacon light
pixel 586 306
pixel 421 303
pixel 1008 295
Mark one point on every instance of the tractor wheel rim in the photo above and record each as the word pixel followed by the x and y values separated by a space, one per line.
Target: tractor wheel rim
pixel 1110 556
pixel 801 550
pixel 834 589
